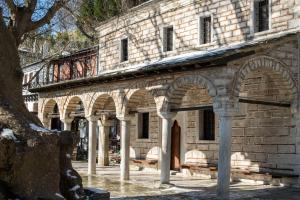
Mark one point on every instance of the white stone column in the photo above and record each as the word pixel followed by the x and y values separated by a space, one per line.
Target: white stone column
pixel 224 162
pixel 125 144
pixel 103 142
pixel 165 153
pixel 47 123
pixel 92 145
pixel 226 108
pixel 297 161
pixel 67 124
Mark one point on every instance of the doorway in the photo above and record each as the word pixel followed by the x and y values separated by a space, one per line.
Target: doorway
pixel 175 146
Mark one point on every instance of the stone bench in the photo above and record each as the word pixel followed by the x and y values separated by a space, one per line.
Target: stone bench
pixel 273 178
pixel 209 169
pixel 144 163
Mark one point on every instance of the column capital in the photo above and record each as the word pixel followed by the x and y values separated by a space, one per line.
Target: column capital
pixel 105 122
pixel 225 107
pixel 123 117
pixel 67 120
pixel 166 115
pixel 92 118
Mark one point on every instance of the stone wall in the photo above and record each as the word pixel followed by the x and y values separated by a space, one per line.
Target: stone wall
pixel 232 22
pixel 264 137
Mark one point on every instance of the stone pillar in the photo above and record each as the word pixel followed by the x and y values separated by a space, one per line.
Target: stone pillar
pixel 47 123
pixel 67 124
pixel 296 110
pixel 165 153
pixel 92 145
pixel 297 161
pixel 125 144
pixel 103 145
pixel 225 110
pixel 224 162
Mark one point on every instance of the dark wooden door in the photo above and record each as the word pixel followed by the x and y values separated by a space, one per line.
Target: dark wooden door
pixel 175 147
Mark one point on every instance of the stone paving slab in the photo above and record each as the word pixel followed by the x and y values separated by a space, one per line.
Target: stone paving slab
pixel 145 186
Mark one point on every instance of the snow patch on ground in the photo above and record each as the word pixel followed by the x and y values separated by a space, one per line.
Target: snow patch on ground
pixel 68 172
pixel 8 134
pixel 38 128
pixel 59 195
pixel 76 187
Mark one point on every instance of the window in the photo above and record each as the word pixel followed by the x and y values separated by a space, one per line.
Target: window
pixel 143 125
pixel 124 50
pixel 261 15
pixel 205 30
pixel 168 38
pixel 207 124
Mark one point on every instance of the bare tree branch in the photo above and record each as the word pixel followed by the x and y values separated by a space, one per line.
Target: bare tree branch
pixel 79 24
pixel 31 5
pixel 12 7
pixel 82 30
pixel 47 18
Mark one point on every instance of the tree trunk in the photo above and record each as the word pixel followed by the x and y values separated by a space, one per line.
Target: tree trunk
pixel 13 112
pixel 34 163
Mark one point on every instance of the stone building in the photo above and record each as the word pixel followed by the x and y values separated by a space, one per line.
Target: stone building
pixel 208 86
pixel 31 79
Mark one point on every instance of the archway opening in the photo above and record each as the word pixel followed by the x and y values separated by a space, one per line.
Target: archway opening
pixel 194 107
pixel 108 130
pixel 56 123
pixel 51 115
pixel 263 130
pixel 75 111
pixel 145 134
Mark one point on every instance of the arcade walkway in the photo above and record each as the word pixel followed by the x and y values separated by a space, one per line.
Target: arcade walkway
pixel 145 185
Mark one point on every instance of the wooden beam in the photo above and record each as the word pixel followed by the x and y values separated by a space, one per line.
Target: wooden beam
pixel 53 115
pixel 199 107
pixel 104 112
pixel 77 114
pixel 142 110
pixel 268 103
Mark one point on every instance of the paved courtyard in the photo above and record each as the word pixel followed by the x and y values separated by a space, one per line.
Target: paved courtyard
pixel 145 185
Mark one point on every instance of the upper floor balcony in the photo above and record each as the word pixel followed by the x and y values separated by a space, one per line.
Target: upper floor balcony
pixel 79 65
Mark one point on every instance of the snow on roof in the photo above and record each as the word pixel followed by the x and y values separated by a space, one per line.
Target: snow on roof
pixel 192 57
pixel 198 55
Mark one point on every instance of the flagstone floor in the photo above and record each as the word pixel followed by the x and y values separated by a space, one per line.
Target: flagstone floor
pixel 145 185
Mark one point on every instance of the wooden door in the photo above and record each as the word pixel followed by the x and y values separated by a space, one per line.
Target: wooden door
pixel 175 147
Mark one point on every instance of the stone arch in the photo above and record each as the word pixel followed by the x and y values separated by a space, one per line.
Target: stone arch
pixel 179 87
pixel 267 63
pixel 101 100
pixel 70 105
pixel 48 107
pixel 136 96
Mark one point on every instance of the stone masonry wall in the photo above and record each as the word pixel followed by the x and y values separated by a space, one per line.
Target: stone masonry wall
pixel 143 27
